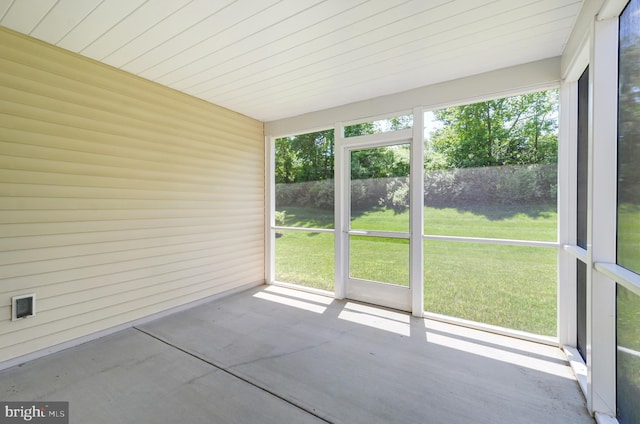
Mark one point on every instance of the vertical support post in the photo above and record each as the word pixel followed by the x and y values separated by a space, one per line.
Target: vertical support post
pixel 567 213
pixel 341 224
pixel 416 185
pixel 601 220
pixel 269 207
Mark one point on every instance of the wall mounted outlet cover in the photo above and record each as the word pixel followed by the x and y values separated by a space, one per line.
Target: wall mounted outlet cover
pixel 23 306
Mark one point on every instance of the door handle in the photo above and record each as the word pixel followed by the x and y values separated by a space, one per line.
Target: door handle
pixel 357 233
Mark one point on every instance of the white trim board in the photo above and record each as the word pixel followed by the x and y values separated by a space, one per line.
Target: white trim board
pixel 534 76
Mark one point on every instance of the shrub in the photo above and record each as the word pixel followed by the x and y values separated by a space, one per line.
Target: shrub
pixel 506 184
pixel 518 184
pixel 445 188
pixel 321 194
pixel 281 217
pixel 397 197
pixel 287 194
pixel 441 187
pixel 528 183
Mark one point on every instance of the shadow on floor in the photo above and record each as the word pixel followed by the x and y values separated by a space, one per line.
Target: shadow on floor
pixel 276 355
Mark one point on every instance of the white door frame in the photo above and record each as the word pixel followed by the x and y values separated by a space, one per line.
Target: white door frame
pixel 384 294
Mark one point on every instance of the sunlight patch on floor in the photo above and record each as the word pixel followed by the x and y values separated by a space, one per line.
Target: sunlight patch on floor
pixel 505 349
pixel 302 302
pixel 380 319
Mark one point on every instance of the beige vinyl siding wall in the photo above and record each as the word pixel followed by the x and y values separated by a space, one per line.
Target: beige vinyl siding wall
pixel 119 198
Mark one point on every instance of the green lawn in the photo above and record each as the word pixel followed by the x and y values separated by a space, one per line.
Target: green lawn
pixel 509 286
pixel 628 336
pixel 629 236
pixel 628 315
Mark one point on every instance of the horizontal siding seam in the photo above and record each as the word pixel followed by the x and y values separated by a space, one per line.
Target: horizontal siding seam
pixel 32 275
pixel 173 114
pixel 135 308
pixel 26 149
pixel 36 140
pixel 97 244
pixel 101 277
pixel 119 193
pixel 40 233
pixel 41 102
pixel 204 143
pixel 91 135
pixel 164 244
pixel 48 213
pixel 246 229
pixel 238 267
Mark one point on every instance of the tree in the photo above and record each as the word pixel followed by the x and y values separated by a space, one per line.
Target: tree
pixel 629 113
pixel 381 162
pixel 310 157
pixel 305 157
pixel 507 131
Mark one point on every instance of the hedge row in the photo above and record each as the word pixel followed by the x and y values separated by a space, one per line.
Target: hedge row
pixel 449 187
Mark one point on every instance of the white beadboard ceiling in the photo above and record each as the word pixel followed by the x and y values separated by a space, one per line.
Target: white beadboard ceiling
pixel 272 59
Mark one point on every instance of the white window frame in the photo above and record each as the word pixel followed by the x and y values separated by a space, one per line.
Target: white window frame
pixel 603 274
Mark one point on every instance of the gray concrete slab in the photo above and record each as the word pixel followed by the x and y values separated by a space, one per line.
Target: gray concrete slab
pixel 351 363
pixel 130 377
pixel 277 355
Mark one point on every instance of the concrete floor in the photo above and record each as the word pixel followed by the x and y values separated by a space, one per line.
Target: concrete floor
pixel 274 355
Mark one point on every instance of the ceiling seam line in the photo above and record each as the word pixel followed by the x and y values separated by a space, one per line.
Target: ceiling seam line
pixel 242 39
pixel 84 18
pixel 211 36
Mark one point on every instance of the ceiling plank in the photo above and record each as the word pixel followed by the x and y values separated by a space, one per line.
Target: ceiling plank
pixel 233 36
pixel 23 16
pixel 161 32
pixel 377 47
pixel 135 24
pixel 4 8
pixel 402 58
pixel 64 16
pixel 210 31
pixel 99 21
pixel 260 44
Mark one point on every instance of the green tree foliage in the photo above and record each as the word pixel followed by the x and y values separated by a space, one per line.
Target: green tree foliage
pixel 516 130
pixel 629 108
pixel 305 157
pixel 310 157
pixel 382 162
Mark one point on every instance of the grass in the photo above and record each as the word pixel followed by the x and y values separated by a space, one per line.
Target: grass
pixel 629 236
pixel 509 286
pixel 305 259
pixel 538 222
pixel 380 259
pixel 628 373
pixel 628 317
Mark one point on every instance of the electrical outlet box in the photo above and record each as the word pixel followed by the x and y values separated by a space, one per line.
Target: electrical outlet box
pixel 23 306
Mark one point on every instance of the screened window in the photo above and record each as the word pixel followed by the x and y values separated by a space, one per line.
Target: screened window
pixel 583 157
pixel 491 173
pixel 582 201
pixel 628 231
pixel 628 356
pixel 581 277
pixel 304 194
pixel 629 139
